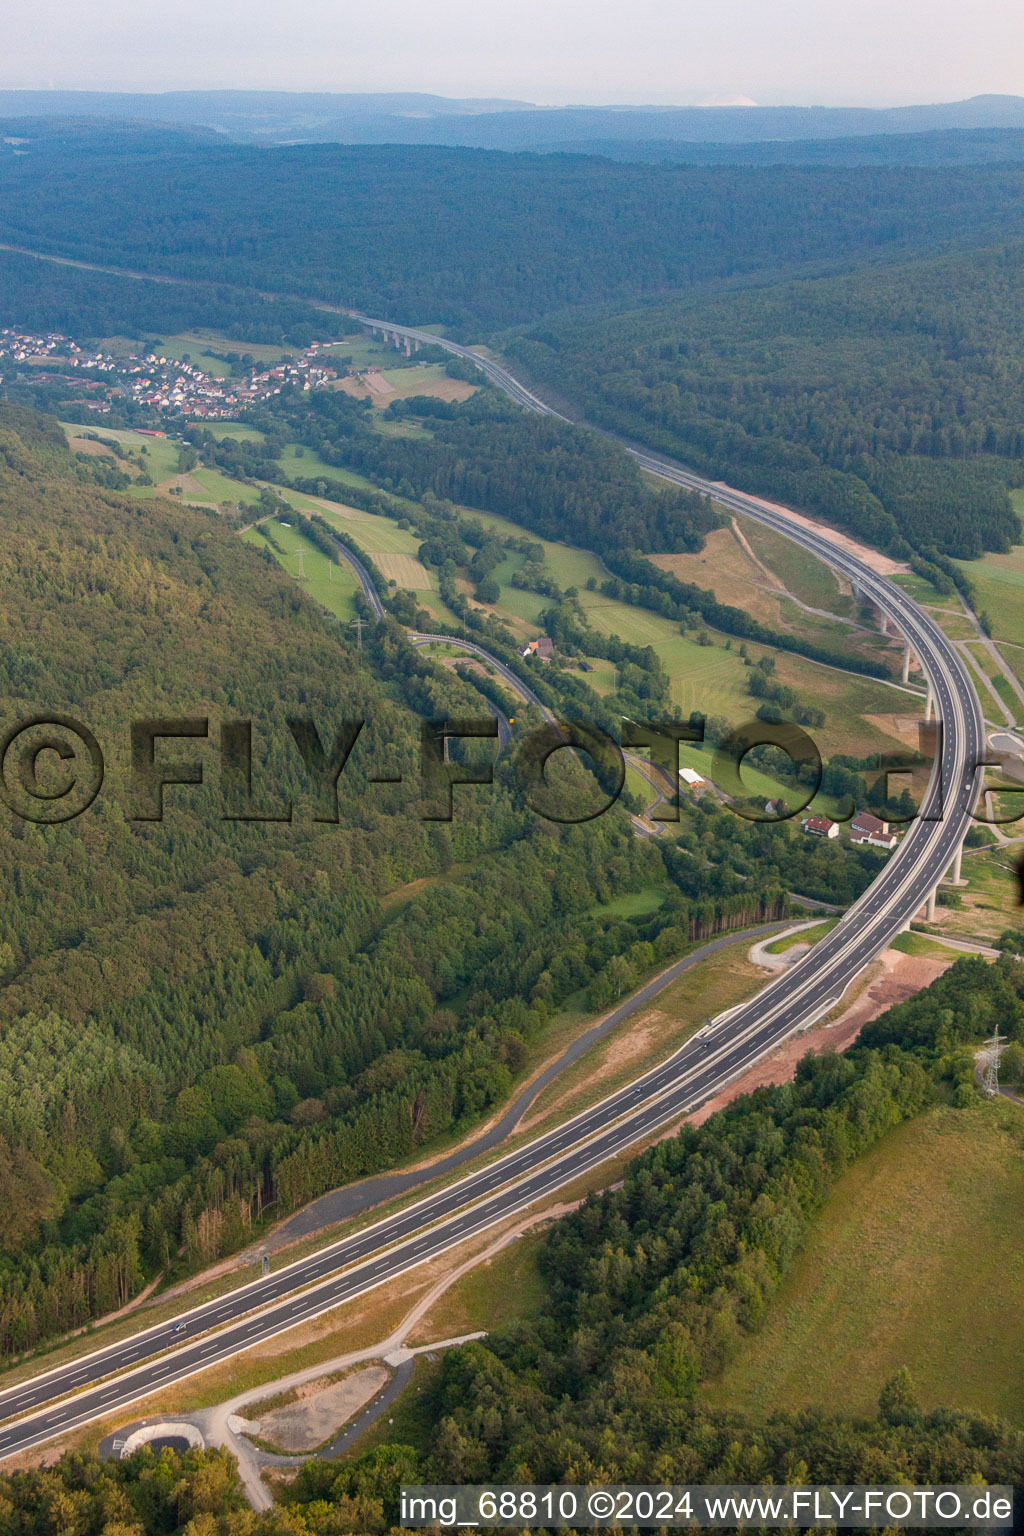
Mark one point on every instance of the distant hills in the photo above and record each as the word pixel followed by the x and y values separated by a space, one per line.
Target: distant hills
pixel 941 147
pixel 276 117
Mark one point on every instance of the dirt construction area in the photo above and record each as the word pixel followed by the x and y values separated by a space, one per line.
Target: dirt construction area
pixel 319 1411
pixel 894 978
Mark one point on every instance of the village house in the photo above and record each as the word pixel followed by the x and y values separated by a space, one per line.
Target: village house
pixel 820 826
pixel 868 829
pixel 543 648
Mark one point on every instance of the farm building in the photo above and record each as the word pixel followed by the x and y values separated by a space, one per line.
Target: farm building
pixel 869 829
pixel 820 826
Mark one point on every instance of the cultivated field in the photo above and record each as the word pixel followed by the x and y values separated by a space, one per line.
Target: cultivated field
pixel 405 572
pixel 157 455
pixel 423 379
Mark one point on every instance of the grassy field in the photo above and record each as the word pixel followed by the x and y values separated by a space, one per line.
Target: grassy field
pixel 426 379
pixel 235 429
pixel 755 569
pixel 333 586
pixel 985 664
pixel 806 936
pixel 989 903
pixel 193 345
pixel 999 583
pixel 712 679
pixel 504 1289
pixel 158 455
pixel 392 549
pixel 222 488
pixel 302 463
pixel 192 349
pixel 757 784
pixel 920 590
pixel 917 944
pixel 917 1260
pixel 714 984
pixel 365 350
pixel 377 535
pixel 809 579
pixel 634 903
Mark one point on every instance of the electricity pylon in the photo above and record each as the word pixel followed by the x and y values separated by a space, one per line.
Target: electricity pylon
pixel 990 1076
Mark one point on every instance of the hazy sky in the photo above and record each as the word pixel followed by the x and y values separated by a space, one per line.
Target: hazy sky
pixel 875 52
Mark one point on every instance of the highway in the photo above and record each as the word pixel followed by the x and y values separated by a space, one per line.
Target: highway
pixel 720 1051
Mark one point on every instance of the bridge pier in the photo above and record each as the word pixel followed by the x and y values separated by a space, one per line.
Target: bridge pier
pixel 929 911
pixel 929 704
pixel 955 876
pixel 907 659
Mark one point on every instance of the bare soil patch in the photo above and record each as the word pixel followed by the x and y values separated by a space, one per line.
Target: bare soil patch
pixel 631 1045
pixel 727 565
pixel 321 1408
pixel 903 727
pixel 354 387
pixel 895 977
pixel 378 385
pixel 871 557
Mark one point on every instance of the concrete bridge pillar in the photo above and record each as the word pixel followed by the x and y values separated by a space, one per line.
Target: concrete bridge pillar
pixel 956 866
pixel 883 623
pixel 929 912
pixel 906 662
pixel 929 704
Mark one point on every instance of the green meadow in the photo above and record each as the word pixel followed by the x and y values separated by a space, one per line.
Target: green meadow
pixel 916 1260
pixel 333 586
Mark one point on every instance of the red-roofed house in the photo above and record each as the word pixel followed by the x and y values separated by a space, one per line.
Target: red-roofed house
pixel 869 829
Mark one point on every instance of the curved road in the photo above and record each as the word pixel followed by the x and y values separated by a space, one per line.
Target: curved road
pixel 719 1052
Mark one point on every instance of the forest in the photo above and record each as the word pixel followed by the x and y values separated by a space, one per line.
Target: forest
pixel 478 239
pixel 205 1020
pixel 887 400
pixel 652 1286
pixel 48 296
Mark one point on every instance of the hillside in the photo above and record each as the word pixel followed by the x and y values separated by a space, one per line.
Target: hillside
pixel 417 117
pixel 887 400
pixel 474 238
pixel 893 1275
pixel 205 1017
